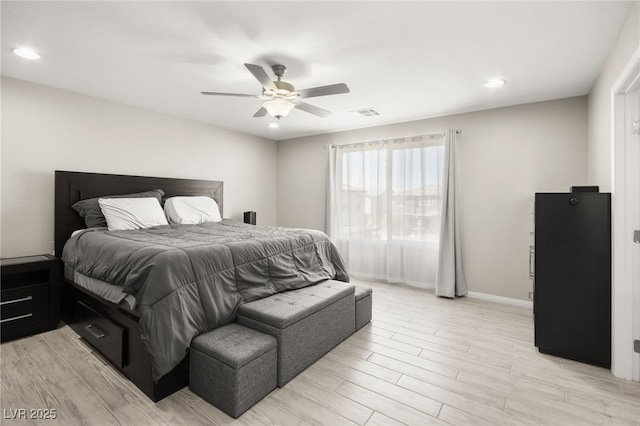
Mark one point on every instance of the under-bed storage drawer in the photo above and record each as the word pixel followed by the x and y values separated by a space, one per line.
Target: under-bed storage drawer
pixel 103 334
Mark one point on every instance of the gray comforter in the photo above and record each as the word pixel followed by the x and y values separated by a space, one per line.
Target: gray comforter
pixel 189 279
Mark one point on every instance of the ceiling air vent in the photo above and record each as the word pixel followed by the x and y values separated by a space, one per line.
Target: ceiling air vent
pixel 366 112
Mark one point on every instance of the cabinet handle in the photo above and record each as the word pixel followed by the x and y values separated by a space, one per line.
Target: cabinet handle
pixel 24 299
pixel 16 318
pixel 532 273
pixel 94 331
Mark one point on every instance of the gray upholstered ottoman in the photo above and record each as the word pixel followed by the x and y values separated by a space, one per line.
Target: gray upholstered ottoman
pixel 364 298
pixel 233 367
pixel 308 323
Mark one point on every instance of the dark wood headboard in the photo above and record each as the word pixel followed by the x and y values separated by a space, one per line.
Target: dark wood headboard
pixel 75 186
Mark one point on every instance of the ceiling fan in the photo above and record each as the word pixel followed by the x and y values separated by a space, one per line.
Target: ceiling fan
pixel 281 97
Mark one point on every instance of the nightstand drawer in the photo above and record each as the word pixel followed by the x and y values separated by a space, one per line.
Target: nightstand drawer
pixel 103 334
pixel 24 307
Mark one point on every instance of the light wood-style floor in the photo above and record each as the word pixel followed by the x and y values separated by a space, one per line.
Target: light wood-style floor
pixel 423 360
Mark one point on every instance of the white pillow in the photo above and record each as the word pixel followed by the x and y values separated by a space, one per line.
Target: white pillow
pixel 132 213
pixel 192 210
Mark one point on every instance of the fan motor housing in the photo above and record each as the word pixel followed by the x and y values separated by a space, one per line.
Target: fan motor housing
pixel 284 91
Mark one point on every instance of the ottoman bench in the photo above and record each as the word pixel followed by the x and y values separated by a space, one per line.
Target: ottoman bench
pixel 363 306
pixel 233 367
pixel 307 322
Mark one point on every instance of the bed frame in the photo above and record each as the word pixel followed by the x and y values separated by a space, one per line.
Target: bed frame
pixel 118 336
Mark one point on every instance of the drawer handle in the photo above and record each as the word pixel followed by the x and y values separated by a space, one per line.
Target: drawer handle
pixel 95 331
pixel 17 318
pixel 24 299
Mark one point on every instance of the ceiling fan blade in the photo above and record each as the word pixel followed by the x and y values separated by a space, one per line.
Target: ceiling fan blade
pixel 313 109
pixel 333 89
pixel 260 113
pixel 229 94
pixel 259 73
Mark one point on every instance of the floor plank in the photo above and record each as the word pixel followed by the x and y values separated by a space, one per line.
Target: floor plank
pixel 385 405
pixel 345 407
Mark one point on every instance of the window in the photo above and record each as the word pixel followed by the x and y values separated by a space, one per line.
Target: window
pixel 384 207
pixel 410 211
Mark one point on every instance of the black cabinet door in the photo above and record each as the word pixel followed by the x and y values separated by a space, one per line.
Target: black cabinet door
pixel 573 276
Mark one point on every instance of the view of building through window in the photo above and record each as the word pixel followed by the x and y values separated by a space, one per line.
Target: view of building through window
pixel 392 192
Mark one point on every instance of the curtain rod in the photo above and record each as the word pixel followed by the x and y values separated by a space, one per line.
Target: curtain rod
pixel 458 131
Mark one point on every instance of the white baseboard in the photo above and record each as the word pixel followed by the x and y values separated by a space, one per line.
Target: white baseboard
pixel 500 299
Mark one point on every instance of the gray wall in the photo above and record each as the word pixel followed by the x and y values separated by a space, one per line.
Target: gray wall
pixel 600 144
pixel 46 129
pixel 505 155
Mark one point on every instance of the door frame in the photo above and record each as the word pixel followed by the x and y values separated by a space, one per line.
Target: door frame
pixel 624 313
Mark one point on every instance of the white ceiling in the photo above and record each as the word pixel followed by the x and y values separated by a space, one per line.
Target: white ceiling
pixel 408 60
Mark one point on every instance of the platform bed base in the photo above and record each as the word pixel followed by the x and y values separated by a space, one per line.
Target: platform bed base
pixel 115 334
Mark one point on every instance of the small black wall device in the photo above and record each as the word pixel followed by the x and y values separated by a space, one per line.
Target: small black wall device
pixel 585 189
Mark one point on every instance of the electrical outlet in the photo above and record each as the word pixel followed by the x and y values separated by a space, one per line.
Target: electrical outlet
pixel 531 295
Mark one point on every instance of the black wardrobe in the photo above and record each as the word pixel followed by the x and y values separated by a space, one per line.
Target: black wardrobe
pixel 572 299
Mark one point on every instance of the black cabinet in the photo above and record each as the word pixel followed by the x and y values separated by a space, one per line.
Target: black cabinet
pixel 572 302
pixel 29 295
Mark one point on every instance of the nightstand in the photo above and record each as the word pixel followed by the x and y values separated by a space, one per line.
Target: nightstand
pixel 29 295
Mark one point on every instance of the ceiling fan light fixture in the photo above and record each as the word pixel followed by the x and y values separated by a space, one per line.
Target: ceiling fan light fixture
pixel 281 97
pixel 278 108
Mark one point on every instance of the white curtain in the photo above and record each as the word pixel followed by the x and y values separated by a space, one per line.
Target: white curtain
pixel 450 279
pixel 384 205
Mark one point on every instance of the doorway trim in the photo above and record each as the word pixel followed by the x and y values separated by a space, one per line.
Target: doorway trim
pixel 622 354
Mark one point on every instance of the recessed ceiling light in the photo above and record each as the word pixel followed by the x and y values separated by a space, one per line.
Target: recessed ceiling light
pixel 494 83
pixel 274 125
pixel 26 52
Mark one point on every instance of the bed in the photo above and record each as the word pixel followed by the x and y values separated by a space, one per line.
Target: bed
pixel 133 340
